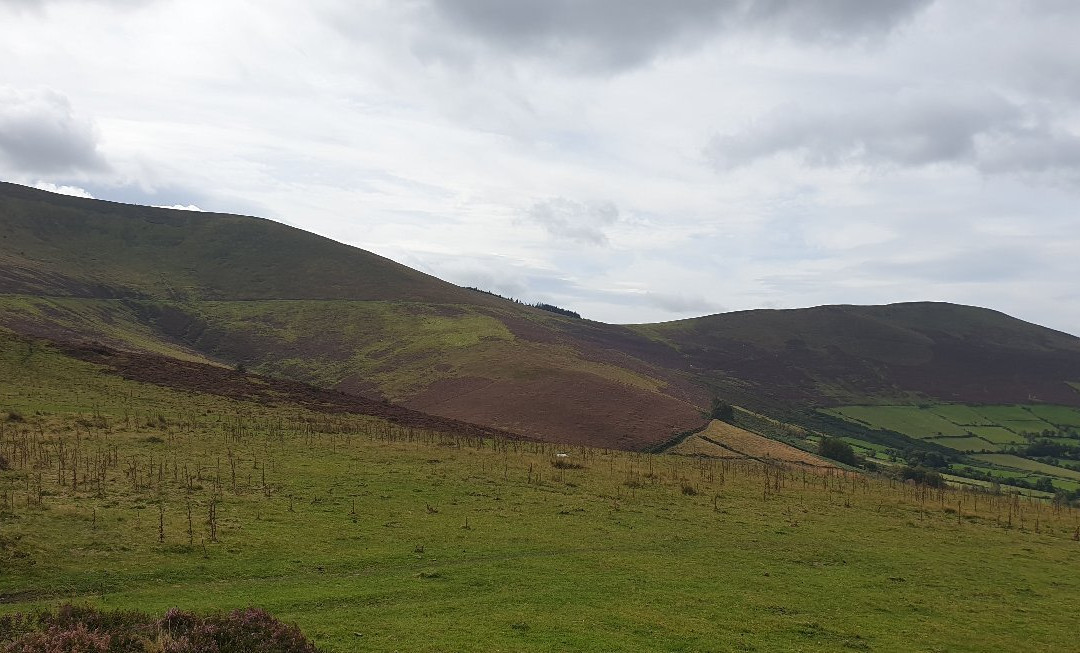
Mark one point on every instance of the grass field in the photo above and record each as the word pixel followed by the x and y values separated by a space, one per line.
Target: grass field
pixel 910 420
pixel 967 444
pixel 999 424
pixel 961 414
pixel 997 434
pixel 1016 462
pixel 374 537
pixel 1057 415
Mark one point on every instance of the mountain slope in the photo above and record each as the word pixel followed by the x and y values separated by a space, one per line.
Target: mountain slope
pixel 65 246
pixel 854 354
pixel 225 290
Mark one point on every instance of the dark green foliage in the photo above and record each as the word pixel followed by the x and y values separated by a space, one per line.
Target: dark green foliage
pixel 551 308
pixel 722 411
pixel 82 629
pixel 922 476
pixel 838 450
pixel 1048 449
pixel 1045 484
pixel 922 458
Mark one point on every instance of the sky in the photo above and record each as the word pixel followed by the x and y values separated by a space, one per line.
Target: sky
pixel 632 160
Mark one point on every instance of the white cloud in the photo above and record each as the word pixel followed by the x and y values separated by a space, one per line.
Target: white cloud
pixel 860 152
pixel 181 207
pixel 74 191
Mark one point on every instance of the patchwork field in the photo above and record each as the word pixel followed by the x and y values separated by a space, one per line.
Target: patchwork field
pixel 910 420
pixel 966 444
pixel 998 424
pixel 723 440
pixel 376 536
pixel 1016 462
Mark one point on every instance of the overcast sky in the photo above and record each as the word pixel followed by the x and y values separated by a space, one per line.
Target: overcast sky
pixel 633 160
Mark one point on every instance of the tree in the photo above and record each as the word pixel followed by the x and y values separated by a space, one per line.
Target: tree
pixel 923 475
pixel 722 411
pixel 838 450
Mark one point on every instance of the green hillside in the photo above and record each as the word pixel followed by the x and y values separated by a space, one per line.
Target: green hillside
pixel 235 290
pixel 55 245
pixel 373 535
pixel 232 290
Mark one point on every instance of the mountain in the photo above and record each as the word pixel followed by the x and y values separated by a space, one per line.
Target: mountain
pixel 225 290
pixel 228 290
pixel 861 354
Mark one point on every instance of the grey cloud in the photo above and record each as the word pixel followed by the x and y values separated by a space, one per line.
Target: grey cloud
pixel 681 303
pixel 579 222
pixel 984 265
pixel 41 133
pixel 981 130
pixel 1032 150
pixel 613 35
pixel 909 130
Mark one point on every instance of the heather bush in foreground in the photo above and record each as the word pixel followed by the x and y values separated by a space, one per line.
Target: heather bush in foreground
pixel 80 629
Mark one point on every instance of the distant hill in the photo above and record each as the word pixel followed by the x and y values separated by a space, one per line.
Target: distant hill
pixel 227 290
pixel 859 354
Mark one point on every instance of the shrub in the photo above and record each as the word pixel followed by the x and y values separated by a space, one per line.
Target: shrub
pixel 923 476
pixel 77 629
pixel 563 463
pixel 838 450
pixel 722 411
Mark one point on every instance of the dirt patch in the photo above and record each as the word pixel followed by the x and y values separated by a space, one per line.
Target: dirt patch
pixel 563 406
pixel 224 382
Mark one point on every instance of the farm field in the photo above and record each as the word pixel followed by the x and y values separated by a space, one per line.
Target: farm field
pixel 910 420
pixel 994 423
pixel 373 536
pixel 966 444
pixel 1016 462
pixel 1060 416
pixel 961 414
pixel 723 440
pixel 997 434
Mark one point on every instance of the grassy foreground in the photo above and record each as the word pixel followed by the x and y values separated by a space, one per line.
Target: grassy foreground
pixel 374 537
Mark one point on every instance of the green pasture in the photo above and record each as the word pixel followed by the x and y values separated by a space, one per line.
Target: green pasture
pixel 997 435
pixel 1016 462
pixel 1060 416
pixel 966 444
pixel 961 414
pixel 374 537
pixel 910 420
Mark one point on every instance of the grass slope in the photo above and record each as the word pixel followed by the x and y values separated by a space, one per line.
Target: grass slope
pixel 57 245
pixel 376 537
pixel 231 289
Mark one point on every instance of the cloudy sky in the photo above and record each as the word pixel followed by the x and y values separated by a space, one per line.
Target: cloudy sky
pixel 635 160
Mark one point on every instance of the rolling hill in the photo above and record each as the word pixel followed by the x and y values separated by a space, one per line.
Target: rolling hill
pixel 223 290
pixel 862 354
